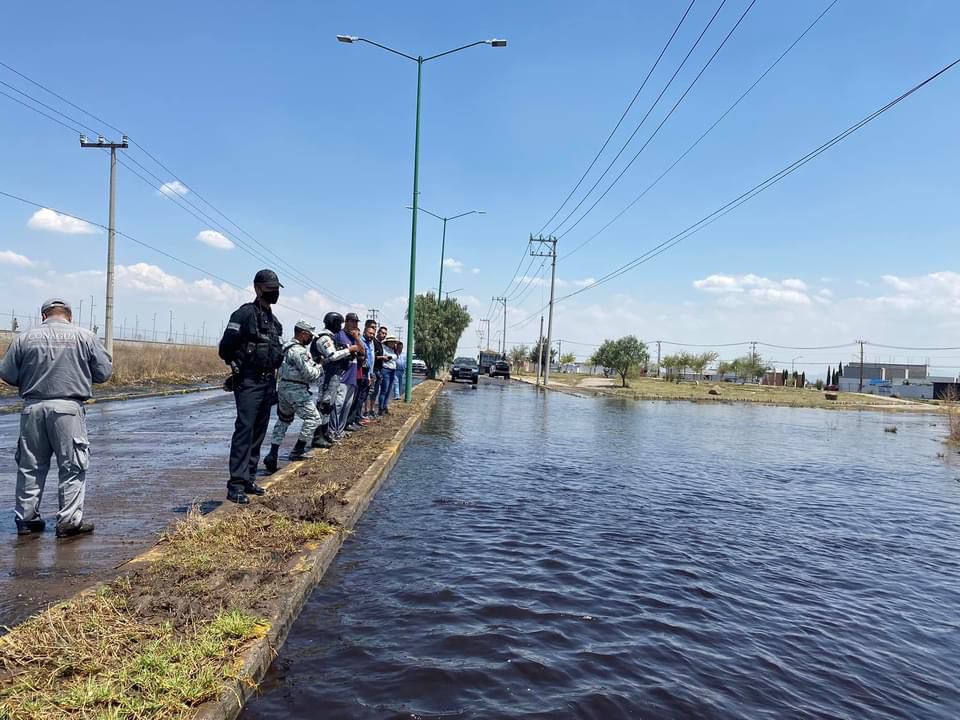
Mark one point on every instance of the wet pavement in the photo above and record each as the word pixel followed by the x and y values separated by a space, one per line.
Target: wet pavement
pixel 151 459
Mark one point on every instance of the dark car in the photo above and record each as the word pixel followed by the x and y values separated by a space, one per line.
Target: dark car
pixel 501 368
pixel 465 368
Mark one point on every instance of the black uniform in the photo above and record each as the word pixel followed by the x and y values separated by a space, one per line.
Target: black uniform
pixel 251 345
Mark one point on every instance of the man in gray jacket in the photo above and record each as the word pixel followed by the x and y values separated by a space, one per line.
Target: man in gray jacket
pixel 54 366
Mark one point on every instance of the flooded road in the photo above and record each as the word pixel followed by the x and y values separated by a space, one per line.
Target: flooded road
pixel 555 557
pixel 150 460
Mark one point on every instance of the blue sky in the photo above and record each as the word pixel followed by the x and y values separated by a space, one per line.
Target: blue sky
pixel 307 144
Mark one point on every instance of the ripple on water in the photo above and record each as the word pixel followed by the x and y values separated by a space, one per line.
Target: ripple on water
pixel 550 557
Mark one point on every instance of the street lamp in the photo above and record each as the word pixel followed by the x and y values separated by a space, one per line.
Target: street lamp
pixel 792 361
pixel 451 292
pixel 411 299
pixel 443 243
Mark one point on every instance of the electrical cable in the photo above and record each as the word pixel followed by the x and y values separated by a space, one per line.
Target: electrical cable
pixel 706 132
pixel 658 128
pixel 760 187
pixel 620 121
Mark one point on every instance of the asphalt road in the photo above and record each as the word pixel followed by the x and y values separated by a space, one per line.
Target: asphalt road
pixel 151 460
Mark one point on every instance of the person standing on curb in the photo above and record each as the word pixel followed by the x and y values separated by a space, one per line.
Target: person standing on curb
pixel 294 399
pixel 400 374
pixel 54 366
pixel 348 337
pixel 387 373
pixel 251 347
pixel 335 358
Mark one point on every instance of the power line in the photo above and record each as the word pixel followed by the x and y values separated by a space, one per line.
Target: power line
pixel 662 122
pixel 624 115
pixel 901 347
pixel 758 188
pixel 706 132
pixel 646 115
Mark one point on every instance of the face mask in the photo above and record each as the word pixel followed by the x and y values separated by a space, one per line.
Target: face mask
pixel 270 296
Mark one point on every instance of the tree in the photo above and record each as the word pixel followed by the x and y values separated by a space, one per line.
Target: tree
pixel 437 329
pixel 539 349
pixel 568 359
pixel 518 353
pixel 622 355
pixel 698 363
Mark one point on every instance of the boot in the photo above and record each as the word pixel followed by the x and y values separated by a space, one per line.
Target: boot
pixel 299 451
pixel 270 460
pixel 320 441
pixel 320 432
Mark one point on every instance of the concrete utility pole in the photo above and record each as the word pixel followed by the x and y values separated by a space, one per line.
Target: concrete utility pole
pixel 503 300
pixel 658 357
pixel 102 144
pixel 91 312
pixel 170 336
pixel 547 247
pixel 80 314
pixel 372 313
pixel 539 354
pixel 861 365
pixel 486 346
pixel 154 327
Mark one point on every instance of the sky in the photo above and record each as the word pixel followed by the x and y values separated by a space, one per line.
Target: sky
pixel 305 145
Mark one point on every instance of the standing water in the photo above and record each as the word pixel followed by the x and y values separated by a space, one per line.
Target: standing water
pixel 555 556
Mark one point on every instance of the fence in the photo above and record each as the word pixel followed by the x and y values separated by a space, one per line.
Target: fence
pixel 12 322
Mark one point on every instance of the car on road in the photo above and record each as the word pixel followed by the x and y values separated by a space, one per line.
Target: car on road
pixel 501 368
pixel 465 368
pixel 418 366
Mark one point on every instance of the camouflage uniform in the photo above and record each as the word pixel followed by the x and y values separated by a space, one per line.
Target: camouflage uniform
pixel 293 392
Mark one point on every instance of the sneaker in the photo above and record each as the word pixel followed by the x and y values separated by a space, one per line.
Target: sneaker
pixel 353 427
pixel 364 421
pixel 73 530
pixel 27 527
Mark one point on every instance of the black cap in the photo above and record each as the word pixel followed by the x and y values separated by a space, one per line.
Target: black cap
pixel 352 316
pixel 268 278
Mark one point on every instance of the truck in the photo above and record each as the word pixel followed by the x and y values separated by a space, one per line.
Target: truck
pixel 486 359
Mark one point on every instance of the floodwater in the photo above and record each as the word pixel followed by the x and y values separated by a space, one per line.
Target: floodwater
pixel 564 557
pixel 151 459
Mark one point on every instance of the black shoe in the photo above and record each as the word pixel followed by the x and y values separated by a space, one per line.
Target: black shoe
pixel 82 529
pixel 26 527
pixel 353 427
pixel 238 497
pixel 254 489
pixel 270 459
pixel 299 451
pixel 319 441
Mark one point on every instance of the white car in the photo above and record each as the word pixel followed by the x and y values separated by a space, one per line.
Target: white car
pixel 418 366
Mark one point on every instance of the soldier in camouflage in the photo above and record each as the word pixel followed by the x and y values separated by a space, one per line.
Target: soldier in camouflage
pixel 297 373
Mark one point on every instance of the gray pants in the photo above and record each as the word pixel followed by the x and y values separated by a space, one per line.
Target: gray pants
pixel 345 394
pixel 52 427
pixel 295 400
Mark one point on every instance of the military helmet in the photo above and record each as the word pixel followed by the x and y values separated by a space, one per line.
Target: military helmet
pixel 333 321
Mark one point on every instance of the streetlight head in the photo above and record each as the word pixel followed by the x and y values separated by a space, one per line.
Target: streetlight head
pixel 347 38
pixel 83 139
pixel 481 212
pixel 497 42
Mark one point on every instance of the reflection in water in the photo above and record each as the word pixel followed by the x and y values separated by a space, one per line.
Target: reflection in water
pixel 564 557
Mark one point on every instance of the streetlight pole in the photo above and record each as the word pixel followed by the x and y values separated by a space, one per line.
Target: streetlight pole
pixel 412 295
pixel 792 361
pixel 443 242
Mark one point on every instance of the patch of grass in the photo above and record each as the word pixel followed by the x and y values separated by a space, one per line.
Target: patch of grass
pixel 92 657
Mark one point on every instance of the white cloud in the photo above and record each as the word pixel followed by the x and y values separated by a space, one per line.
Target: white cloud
pixel 475 271
pixel 173 189
pixel 9 257
pixel 47 219
pixel 454 265
pixel 755 288
pixel 215 240
pixel 154 281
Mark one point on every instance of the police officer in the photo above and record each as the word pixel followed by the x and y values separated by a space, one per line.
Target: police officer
pixel 53 366
pixel 335 355
pixel 293 395
pixel 251 347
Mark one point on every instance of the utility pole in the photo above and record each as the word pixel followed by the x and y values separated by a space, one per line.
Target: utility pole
pixel 861 366
pixel 154 327
pixel 102 144
pixel 487 336
pixel 559 350
pixel 372 313
pixel 91 312
pixel 80 314
pixel 539 354
pixel 170 336
pixel 658 357
pixel 503 300
pixel 399 331
pixel 547 247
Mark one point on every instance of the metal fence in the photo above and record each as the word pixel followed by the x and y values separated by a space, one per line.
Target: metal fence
pixel 13 322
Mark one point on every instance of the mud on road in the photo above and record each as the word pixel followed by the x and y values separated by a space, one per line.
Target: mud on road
pixel 152 459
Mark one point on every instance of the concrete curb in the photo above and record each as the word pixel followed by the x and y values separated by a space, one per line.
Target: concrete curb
pixel 255 661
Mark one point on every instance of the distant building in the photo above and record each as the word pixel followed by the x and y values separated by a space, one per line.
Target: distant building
pixel 912 382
